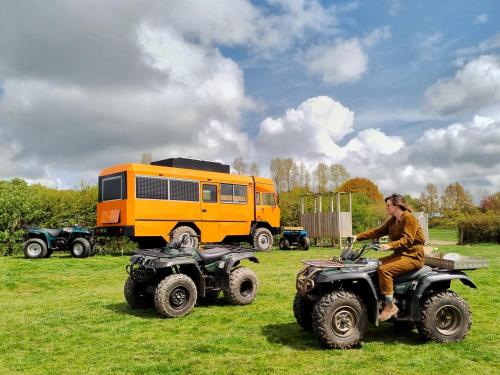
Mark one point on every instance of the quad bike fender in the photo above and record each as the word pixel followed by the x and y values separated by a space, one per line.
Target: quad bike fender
pixel 427 281
pixel 233 259
pixel 369 292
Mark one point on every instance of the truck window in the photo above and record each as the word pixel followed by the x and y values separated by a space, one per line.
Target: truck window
pixel 112 188
pixel 209 193
pixel 257 199
pixel 182 190
pixel 151 188
pixel 233 193
pixel 268 199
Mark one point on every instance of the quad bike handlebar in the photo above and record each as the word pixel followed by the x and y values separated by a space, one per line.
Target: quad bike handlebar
pixel 348 253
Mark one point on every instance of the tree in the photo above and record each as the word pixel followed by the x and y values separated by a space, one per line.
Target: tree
pixel 456 199
pixel 363 185
pixel 240 166
pixel 491 202
pixel 254 169
pixel 338 175
pixel 146 158
pixel 322 176
pixel 289 170
pixel 276 172
pixel 429 200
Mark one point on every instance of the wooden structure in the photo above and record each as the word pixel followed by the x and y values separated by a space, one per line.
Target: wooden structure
pixel 334 223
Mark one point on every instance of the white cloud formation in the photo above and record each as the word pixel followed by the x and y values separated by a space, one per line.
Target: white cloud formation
pixel 315 130
pixel 474 87
pixel 488 45
pixel 479 19
pixel 344 61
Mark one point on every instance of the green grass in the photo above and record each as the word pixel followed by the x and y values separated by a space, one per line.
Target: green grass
pixel 443 234
pixel 64 315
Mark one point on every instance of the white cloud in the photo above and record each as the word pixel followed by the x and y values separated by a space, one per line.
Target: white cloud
pixel 344 61
pixel 488 45
pixel 474 87
pixel 481 18
pixel 429 46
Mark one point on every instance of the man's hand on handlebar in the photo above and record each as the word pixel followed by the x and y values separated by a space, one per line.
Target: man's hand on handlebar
pixel 384 247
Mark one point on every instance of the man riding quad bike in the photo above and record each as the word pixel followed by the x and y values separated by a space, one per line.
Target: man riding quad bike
pixel 41 242
pixel 174 277
pixel 337 298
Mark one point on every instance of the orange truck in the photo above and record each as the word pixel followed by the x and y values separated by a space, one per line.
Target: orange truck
pixel 186 200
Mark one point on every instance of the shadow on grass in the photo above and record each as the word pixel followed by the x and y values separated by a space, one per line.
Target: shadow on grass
pixel 293 336
pixel 125 309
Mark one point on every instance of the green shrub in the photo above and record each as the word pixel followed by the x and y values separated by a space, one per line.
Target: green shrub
pixel 479 228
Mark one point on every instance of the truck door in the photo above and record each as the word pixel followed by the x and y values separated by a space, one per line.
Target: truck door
pixel 210 212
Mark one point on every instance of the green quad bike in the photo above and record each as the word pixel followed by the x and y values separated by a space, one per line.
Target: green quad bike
pixel 42 242
pixel 175 277
pixel 337 298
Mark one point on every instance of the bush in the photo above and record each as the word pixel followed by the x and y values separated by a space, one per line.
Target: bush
pixel 479 228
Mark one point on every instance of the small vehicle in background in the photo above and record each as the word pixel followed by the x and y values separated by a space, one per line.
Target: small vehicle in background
pixel 42 242
pixel 294 237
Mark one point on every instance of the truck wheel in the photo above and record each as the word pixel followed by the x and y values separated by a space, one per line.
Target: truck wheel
pixel 136 296
pixel 339 320
pixel 175 296
pixel 302 310
pixel 243 287
pixel 445 317
pixel 187 234
pixel 305 243
pixel 284 244
pixel 35 248
pixel 262 239
pixel 80 248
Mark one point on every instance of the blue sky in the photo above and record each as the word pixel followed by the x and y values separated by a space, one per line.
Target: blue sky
pixel 404 93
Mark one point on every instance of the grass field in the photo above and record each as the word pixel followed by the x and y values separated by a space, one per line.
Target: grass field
pixel 63 315
pixel 443 234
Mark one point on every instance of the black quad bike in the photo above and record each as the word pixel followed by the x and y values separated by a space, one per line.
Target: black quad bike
pixel 174 278
pixel 337 298
pixel 41 242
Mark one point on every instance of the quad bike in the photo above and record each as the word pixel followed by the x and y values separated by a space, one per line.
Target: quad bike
pixel 294 236
pixel 173 278
pixel 41 242
pixel 338 298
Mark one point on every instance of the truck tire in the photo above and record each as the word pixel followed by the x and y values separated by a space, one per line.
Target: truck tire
pixel 243 286
pixel 284 244
pixel 302 310
pixel 80 248
pixel 305 243
pixel 180 233
pixel 339 320
pixel 175 296
pixel 445 317
pixel 35 248
pixel 136 296
pixel 262 239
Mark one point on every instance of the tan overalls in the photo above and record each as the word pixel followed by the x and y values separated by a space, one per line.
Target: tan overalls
pixel 407 240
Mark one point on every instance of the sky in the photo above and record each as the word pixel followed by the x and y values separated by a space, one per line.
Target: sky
pixel 405 93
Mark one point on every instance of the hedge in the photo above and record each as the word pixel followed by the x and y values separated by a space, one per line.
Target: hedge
pixel 479 228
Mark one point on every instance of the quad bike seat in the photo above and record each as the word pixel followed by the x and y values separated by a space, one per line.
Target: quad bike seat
pixel 212 255
pixel 53 232
pixel 413 275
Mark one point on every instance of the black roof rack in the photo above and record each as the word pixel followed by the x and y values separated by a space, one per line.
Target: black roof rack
pixel 194 164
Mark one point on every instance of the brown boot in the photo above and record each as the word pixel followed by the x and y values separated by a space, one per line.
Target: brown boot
pixel 388 312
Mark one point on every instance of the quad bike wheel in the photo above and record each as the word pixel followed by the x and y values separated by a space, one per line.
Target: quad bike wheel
pixel 81 248
pixel 243 287
pixel 284 244
pixel 305 243
pixel 263 239
pixel 445 317
pixel 35 248
pixel 136 296
pixel 186 236
pixel 302 310
pixel 175 296
pixel 339 320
